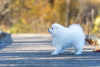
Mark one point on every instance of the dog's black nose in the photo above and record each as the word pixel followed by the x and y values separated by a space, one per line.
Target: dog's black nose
pixel 48 29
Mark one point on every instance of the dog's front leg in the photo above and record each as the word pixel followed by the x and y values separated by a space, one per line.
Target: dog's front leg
pixel 58 49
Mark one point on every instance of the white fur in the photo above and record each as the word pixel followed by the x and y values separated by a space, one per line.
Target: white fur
pixel 73 36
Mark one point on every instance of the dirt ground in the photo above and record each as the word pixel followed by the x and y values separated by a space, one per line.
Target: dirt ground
pixel 34 50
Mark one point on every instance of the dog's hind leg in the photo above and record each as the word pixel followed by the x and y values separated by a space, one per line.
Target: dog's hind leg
pixel 78 48
pixel 78 52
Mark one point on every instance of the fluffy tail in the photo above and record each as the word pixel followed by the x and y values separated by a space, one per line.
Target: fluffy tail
pixel 76 27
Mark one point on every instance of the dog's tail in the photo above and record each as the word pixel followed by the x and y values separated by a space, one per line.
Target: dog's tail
pixel 76 27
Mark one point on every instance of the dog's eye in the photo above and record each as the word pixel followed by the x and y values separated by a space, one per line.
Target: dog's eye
pixel 52 28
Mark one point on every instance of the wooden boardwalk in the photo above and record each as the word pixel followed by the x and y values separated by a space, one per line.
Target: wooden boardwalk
pixel 34 50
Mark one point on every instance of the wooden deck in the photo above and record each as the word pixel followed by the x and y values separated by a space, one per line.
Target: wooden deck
pixel 34 50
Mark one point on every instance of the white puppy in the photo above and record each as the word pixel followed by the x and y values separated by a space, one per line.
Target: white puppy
pixel 73 36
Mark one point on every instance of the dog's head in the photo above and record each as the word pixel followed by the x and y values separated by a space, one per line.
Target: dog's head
pixel 56 28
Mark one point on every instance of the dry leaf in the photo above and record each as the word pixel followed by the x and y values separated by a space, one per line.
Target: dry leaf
pixel 96 50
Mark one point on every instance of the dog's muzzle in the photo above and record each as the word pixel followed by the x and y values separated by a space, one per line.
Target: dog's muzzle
pixel 49 31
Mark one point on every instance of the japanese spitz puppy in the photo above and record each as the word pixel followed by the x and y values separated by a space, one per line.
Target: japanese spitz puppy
pixel 63 37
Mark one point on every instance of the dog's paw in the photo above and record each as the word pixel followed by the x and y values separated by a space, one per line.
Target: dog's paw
pixel 54 54
pixel 77 53
pixel 73 52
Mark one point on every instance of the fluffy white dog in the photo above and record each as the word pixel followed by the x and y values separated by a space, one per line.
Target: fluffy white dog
pixel 73 36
